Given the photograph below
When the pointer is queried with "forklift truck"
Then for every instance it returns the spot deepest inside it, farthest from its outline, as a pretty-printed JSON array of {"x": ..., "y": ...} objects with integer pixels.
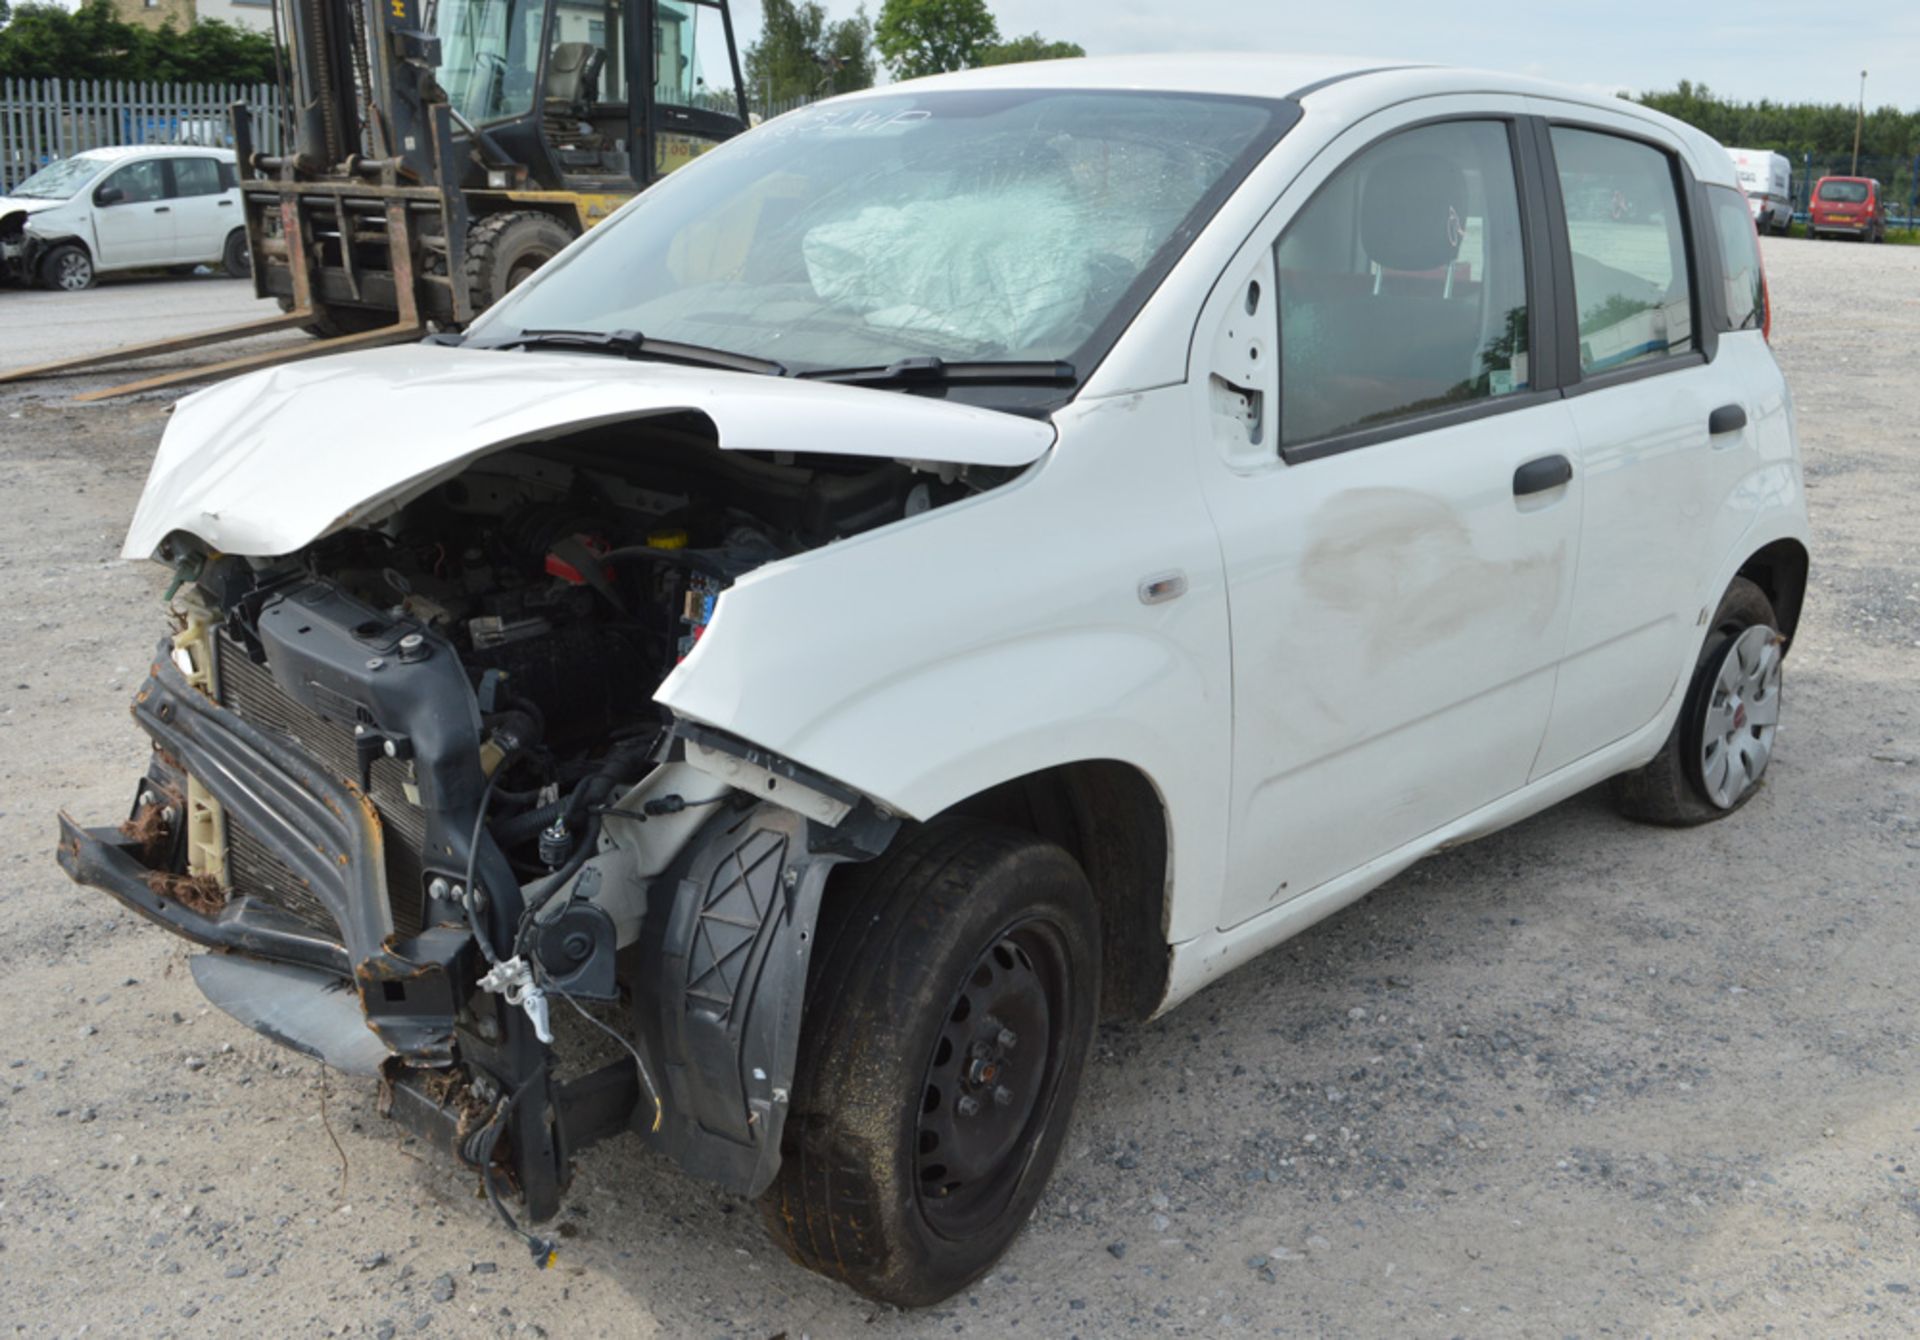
[{"x": 439, "y": 151}]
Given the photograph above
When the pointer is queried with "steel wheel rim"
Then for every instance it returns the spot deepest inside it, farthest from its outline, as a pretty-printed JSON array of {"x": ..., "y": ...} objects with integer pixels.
[
  {"x": 74, "y": 273},
  {"x": 991, "y": 1080},
  {"x": 521, "y": 270},
  {"x": 1742, "y": 712}
]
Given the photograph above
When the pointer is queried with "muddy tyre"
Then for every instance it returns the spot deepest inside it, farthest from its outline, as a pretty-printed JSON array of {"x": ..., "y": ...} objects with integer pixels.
[
  {"x": 950, "y": 1008},
  {"x": 1715, "y": 757},
  {"x": 503, "y": 249}
]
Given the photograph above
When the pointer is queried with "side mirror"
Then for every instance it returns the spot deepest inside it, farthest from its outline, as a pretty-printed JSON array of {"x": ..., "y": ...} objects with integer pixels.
[{"x": 109, "y": 195}]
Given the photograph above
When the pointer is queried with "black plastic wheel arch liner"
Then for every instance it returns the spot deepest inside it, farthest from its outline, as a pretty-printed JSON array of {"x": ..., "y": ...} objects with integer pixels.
[{"x": 720, "y": 976}]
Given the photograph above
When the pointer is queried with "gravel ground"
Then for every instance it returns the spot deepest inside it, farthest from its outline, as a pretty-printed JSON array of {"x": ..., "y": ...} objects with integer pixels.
[
  {"x": 132, "y": 309},
  {"x": 1579, "y": 1078}
]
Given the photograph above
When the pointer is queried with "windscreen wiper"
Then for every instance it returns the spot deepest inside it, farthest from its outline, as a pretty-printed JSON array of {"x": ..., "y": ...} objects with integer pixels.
[
  {"x": 933, "y": 371},
  {"x": 632, "y": 344}
]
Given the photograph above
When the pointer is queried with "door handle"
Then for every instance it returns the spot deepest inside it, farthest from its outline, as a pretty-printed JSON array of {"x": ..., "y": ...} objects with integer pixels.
[
  {"x": 226, "y": 204},
  {"x": 162, "y": 209},
  {"x": 1727, "y": 419},
  {"x": 1541, "y": 474}
]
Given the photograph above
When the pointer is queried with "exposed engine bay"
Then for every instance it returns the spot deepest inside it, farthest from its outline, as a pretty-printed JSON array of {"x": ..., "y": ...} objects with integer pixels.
[
  {"x": 422, "y": 756},
  {"x": 569, "y": 583}
]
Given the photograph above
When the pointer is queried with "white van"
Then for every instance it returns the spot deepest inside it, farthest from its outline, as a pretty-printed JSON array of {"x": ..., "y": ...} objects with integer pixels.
[{"x": 1767, "y": 178}]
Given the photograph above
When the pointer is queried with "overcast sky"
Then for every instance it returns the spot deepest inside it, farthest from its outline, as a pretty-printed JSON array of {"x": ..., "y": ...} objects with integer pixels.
[{"x": 1811, "y": 50}]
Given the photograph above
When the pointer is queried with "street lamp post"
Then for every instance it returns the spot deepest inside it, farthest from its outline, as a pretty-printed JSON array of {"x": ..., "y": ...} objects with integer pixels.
[{"x": 1859, "y": 119}]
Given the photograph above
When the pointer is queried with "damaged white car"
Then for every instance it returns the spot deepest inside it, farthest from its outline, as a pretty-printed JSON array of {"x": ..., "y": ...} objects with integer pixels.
[{"x": 952, "y": 564}]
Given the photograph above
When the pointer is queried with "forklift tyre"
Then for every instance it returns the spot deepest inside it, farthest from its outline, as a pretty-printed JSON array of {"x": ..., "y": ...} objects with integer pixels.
[
  {"x": 504, "y": 249},
  {"x": 342, "y": 321}
]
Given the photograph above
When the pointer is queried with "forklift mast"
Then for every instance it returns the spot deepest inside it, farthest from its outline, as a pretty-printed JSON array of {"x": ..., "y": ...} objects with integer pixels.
[{"x": 438, "y": 151}]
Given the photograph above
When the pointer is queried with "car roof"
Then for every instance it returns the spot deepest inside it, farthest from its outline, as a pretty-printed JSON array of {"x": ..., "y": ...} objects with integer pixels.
[
  {"x": 1337, "y": 84},
  {"x": 113, "y": 153}
]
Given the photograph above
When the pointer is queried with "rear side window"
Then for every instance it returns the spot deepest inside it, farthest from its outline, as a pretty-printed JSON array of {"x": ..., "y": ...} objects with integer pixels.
[
  {"x": 1631, "y": 284},
  {"x": 196, "y": 176},
  {"x": 228, "y": 177},
  {"x": 1403, "y": 284},
  {"x": 1745, "y": 297}
]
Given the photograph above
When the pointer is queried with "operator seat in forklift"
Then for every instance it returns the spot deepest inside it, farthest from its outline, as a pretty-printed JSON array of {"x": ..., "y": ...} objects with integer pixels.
[{"x": 573, "y": 88}]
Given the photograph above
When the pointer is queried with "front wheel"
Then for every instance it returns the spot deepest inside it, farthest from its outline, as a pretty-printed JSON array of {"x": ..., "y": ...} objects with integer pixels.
[
  {"x": 950, "y": 1010},
  {"x": 1719, "y": 749},
  {"x": 67, "y": 268}
]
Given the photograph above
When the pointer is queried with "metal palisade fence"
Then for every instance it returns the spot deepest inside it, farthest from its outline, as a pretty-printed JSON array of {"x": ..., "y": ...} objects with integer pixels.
[{"x": 45, "y": 119}]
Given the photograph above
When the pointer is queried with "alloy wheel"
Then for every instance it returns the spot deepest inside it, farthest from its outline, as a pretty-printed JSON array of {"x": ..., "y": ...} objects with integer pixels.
[{"x": 75, "y": 272}]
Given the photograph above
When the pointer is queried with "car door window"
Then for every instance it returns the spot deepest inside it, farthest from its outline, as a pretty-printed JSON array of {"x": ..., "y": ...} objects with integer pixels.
[
  {"x": 138, "y": 182},
  {"x": 1402, "y": 284},
  {"x": 1631, "y": 283},
  {"x": 1745, "y": 295},
  {"x": 196, "y": 176}
]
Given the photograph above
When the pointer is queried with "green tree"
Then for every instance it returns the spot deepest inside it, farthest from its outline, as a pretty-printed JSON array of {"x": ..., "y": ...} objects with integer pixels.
[
  {"x": 45, "y": 41},
  {"x": 919, "y": 37},
  {"x": 1017, "y": 50},
  {"x": 800, "y": 54},
  {"x": 1816, "y": 137}
]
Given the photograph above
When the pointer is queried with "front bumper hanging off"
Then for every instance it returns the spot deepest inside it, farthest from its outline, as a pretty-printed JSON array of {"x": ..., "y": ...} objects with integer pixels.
[
  {"x": 354, "y": 993},
  {"x": 329, "y": 834},
  {"x": 716, "y": 976}
]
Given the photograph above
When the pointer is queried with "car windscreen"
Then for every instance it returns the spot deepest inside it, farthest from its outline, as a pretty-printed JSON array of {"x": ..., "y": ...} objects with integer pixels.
[
  {"x": 59, "y": 180},
  {"x": 1843, "y": 192},
  {"x": 982, "y": 225}
]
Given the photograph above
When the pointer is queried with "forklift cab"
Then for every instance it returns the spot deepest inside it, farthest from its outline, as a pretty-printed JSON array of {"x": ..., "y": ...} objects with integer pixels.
[{"x": 589, "y": 95}]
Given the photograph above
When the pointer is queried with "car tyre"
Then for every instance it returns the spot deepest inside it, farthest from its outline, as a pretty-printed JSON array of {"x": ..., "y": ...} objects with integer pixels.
[
  {"x": 234, "y": 258},
  {"x": 1717, "y": 753},
  {"x": 68, "y": 268},
  {"x": 951, "y": 1006}
]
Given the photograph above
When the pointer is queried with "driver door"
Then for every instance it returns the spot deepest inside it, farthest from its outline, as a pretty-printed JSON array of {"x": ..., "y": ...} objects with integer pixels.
[
  {"x": 1391, "y": 479},
  {"x": 133, "y": 221}
]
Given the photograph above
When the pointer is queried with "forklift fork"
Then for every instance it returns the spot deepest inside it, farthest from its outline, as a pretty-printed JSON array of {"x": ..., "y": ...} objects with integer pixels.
[{"x": 307, "y": 308}]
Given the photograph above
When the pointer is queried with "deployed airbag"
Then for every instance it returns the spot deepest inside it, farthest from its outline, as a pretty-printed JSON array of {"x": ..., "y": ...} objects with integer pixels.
[{"x": 1001, "y": 270}]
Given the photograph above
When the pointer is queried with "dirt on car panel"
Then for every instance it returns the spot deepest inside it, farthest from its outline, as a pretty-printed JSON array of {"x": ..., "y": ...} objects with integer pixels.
[
  {"x": 196, "y": 893},
  {"x": 149, "y": 828}
]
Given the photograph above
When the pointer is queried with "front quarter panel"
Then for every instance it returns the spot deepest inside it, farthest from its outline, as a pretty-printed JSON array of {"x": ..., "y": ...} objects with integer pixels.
[{"x": 928, "y": 661}]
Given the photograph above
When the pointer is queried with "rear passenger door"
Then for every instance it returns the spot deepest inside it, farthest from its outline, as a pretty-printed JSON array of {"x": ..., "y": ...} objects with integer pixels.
[
  {"x": 1644, "y": 396},
  {"x": 1393, "y": 492},
  {"x": 204, "y": 211}
]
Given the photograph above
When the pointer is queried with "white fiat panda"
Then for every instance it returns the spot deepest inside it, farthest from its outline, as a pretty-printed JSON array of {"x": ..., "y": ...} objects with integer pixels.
[{"x": 954, "y": 563}]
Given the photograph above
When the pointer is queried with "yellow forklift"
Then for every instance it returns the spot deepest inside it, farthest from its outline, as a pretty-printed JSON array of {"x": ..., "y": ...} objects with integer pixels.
[{"x": 439, "y": 151}]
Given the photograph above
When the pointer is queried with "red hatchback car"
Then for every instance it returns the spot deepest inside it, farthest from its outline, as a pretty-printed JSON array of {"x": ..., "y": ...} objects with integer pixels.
[{"x": 1849, "y": 207}]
